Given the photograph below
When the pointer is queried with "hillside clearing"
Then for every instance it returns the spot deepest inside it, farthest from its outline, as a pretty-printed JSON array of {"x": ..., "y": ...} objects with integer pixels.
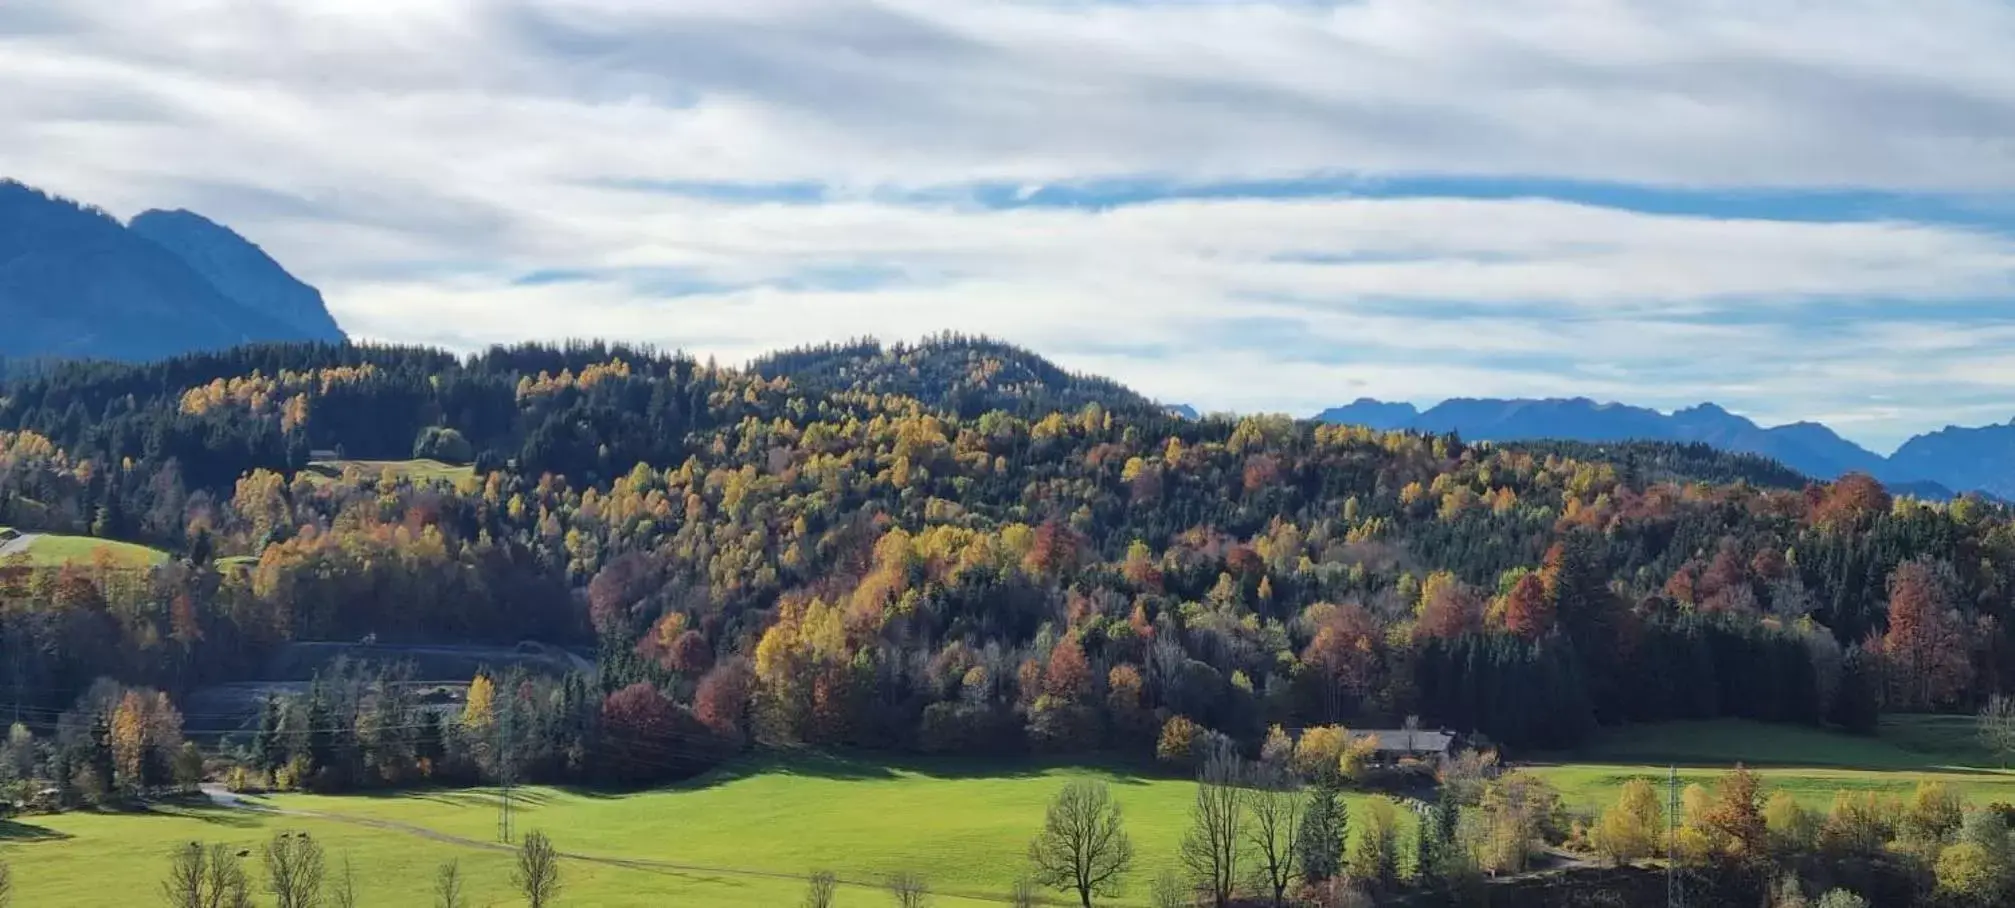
[
  {"x": 1810, "y": 763},
  {"x": 421, "y": 470},
  {"x": 56, "y": 550}
]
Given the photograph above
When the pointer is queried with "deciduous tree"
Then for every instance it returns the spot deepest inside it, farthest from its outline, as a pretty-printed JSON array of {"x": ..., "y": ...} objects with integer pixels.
[
  {"x": 343, "y": 894},
  {"x": 1925, "y": 647},
  {"x": 1737, "y": 815},
  {"x": 1275, "y": 827},
  {"x": 722, "y": 699},
  {"x": 448, "y": 885},
  {"x": 908, "y": 890},
  {"x": 1527, "y": 610},
  {"x": 1630, "y": 830},
  {"x": 1997, "y": 727},
  {"x": 294, "y": 870},
  {"x": 819, "y": 889},
  {"x": 1083, "y": 846},
  {"x": 537, "y": 874},
  {"x": 1214, "y": 848}
]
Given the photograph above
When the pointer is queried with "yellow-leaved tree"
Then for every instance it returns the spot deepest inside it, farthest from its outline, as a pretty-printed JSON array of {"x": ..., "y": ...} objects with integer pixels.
[
  {"x": 479, "y": 714},
  {"x": 1630, "y": 830}
]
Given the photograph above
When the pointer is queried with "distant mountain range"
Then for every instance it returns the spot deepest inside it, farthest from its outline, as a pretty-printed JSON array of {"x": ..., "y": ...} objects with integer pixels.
[
  {"x": 77, "y": 283},
  {"x": 1932, "y": 465}
]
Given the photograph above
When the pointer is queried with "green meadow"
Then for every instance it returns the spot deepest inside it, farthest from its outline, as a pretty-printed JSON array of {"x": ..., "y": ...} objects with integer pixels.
[
  {"x": 740, "y": 837},
  {"x": 1811, "y": 764},
  {"x": 747, "y": 834},
  {"x": 56, "y": 550}
]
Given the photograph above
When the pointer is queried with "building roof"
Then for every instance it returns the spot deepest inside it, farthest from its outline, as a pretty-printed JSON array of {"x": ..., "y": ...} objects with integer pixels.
[{"x": 1402, "y": 740}]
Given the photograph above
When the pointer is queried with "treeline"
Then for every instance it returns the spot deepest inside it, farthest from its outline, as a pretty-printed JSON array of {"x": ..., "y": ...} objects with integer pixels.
[
  {"x": 899, "y": 573},
  {"x": 362, "y": 728},
  {"x": 1642, "y": 463},
  {"x": 1743, "y": 843}
]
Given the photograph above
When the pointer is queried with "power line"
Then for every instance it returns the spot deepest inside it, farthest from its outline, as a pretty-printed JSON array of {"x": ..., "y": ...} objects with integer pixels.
[
  {"x": 1675, "y": 890},
  {"x": 506, "y": 773}
]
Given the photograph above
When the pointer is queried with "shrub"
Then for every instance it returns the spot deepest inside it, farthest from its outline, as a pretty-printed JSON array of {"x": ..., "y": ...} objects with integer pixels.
[
  {"x": 1178, "y": 741},
  {"x": 442, "y": 444}
]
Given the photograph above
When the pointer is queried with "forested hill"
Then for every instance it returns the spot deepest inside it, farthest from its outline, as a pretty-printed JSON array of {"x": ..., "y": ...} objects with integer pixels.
[
  {"x": 965, "y": 375},
  {"x": 806, "y": 551}
]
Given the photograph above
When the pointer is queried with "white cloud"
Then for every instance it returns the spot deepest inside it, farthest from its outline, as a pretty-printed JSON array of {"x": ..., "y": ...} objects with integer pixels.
[{"x": 413, "y": 157}]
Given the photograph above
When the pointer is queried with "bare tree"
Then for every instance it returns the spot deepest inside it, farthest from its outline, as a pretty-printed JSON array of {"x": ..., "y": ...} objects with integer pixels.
[
  {"x": 345, "y": 894},
  {"x": 1023, "y": 894},
  {"x": 1083, "y": 846},
  {"x": 188, "y": 877},
  {"x": 1997, "y": 727},
  {"x": 229, "y": 886},
  {"x": 820, "y": 893},
  {"x": 294, "y": 870},
  {"x": 1215, "y": 842},
  {"x": 1276, "y": 826},
  {"x": 909, "y": 890},
  {"x": 448, "y": 885},
  {"x": 538, "y": 871},
  {"x": 1171, "y": 892}
]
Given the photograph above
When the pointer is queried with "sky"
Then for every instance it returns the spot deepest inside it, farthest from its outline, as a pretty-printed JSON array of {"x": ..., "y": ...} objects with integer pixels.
[{"x": 1796, "y": 209}]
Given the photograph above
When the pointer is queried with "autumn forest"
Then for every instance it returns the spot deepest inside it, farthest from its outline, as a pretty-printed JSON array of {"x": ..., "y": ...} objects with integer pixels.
[{"x": 947, "y": 547}]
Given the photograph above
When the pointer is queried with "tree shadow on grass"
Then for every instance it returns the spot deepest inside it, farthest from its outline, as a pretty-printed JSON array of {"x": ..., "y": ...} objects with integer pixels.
[
  {"x": 18, "y": 833},
  {"x": 460, "y": 797},
  {"x": 872, "y": 766},
  {"x": 814, "y": 763},
  {"x": 197, "y": 808}
]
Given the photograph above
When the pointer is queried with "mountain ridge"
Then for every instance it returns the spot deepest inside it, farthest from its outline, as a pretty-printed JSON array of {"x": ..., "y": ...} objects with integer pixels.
[
  {"x": 239, "y": 269},
  {"x": 76, "y": 283},
  {"x": 1954, "y": 458}
]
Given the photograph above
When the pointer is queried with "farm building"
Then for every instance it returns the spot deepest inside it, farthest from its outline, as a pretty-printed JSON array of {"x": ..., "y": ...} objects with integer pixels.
[{"x": 1395, "y": 744}]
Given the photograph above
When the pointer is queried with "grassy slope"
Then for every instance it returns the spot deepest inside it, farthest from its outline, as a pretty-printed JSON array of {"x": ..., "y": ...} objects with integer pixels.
[
  {"x": 55, "y": 551},
  {"x": 83, "y": 859},
  {"x": 418, "y": 470},
  {"x": 1811, "y": 764},
  {"x": 88, "y": 861},
  {"x": 965, "y": 828}
]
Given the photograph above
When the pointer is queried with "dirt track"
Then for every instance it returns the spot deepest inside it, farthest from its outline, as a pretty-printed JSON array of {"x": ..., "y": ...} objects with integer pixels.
[
  {"x": 18, "y": 545},
  {"x": 223, "y": 797}
]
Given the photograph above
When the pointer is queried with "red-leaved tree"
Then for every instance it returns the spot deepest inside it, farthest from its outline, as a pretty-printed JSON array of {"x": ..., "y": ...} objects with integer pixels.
[
  {"x": 1925, "y": 647},
  {"x": 648, "y": 738},
  {"x": 722, "y": 701}
]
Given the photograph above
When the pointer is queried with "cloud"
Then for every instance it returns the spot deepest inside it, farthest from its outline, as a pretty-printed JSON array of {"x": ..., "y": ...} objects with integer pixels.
[{"x": 1791, "y": 208}]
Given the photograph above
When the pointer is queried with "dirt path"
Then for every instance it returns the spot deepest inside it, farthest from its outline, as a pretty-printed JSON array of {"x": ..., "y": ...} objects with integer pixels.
[
  {"x": 18, "y": 545},
  {"x": 225, "y": 798}
]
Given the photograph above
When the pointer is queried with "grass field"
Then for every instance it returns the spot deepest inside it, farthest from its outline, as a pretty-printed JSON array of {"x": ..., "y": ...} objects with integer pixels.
[
  {"x": 52, "y": 550},
  {"x": 417, "y": 470},
  {"x": 87, "y": 861},
  {"x": 1810, "y": 763},
  {"x": 965, "y": 829},
  {"x": 740, "y": 838}
]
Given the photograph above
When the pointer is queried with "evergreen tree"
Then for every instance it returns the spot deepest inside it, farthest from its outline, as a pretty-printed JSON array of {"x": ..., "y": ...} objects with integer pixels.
[
  {"x": 1325, "y": 824},
  {"x": 268, "y": 751}
]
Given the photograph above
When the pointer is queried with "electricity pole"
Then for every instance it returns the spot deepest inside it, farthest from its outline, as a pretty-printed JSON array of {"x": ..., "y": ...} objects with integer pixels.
[
  {"x": 507, "y": 773},
  {"x": 1675, "y": 889}
]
